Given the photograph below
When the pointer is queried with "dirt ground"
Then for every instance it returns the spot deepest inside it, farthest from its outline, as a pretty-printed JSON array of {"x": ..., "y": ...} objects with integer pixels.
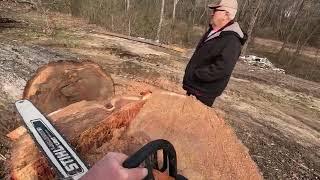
[{"x": 276, "y": 116}]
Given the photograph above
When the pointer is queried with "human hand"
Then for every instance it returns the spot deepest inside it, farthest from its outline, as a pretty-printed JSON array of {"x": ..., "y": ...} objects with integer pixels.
[{"x": 110, "y": 168}]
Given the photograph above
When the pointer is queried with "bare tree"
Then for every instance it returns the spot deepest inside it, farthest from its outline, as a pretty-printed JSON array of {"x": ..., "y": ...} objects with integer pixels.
[
  {"x": 243, "y": 9},
  {"x": 112, "y": 23},
  {"x": 301, "y": 45},
  {"x": 276, "y": 19},
  {"x": 161, "y": 20},
  {"x": 251, "y": 26},
  {"x": 175, "y": 2},
  {"x": 127, "y": 4},
  {"x": 205, "y": 10},
  {"x": 267, "y": 13},
  {"x": 291, "y": 26}
]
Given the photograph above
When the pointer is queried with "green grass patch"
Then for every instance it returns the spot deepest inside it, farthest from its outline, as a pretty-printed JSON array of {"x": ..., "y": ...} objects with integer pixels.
[{"x": 65, "y": 39}]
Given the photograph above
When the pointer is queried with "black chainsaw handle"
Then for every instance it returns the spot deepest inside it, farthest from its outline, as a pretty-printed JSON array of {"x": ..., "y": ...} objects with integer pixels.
[{"x": 151, "y": 149}]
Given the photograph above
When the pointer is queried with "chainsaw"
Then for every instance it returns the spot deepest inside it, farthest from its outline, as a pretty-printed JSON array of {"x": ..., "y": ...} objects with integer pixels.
[{"x": 69, "y": 165}]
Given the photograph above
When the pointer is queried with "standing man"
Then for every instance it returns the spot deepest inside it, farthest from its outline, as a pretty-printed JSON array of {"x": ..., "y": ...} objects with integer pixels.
[{"x": 209, "y": 70}]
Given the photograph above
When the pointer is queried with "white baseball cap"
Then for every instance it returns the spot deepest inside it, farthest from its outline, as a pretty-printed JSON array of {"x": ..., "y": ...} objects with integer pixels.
[{"x": 230, "y": 6}]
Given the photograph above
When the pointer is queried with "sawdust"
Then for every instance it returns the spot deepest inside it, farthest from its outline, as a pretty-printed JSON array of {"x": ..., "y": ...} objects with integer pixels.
[{"x": 95, "y": 137}]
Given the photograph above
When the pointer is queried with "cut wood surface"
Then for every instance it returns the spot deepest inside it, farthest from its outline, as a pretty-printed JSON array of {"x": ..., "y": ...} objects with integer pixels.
[
  {"x": 62, "y": 83},
  {"x": 206, "y": 146}
]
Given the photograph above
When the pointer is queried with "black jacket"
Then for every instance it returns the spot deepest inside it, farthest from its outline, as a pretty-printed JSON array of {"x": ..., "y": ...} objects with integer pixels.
[{"x": 209, "y": 70}]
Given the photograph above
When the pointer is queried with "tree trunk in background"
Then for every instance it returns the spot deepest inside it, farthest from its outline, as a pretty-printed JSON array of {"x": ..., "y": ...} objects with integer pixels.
[
  {"x": 290, "y": 29},
  {"x": 243, "y": 9},
  {"x": 189, "y": 29},
  {"x": 276, "y": 18},
  {"x": 251, "y": 27},
  {"x": 308, "y": 30},
  {"x": 205, "y": 10},
  {"x": 171, "y": 39},
  {"x": 266, "y": 13},
  {"x": 317, "y": 53},
  {"x": 128, "y": 5},
  {"x": 300, "y": 46},
  {"x": 129, "y": 28},
  {"x": 161, "y": 20},
  {"x": 112, "y": 23},
  {"x": 193, "y": 15},
  {"x": 175, "y": 2}
]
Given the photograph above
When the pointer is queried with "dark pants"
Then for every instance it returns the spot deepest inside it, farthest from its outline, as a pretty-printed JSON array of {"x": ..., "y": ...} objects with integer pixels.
[{"x": 205, "y": 100}]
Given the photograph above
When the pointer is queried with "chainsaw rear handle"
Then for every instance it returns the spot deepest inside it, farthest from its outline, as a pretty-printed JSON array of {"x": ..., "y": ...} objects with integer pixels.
[{"x": 148, "y": 154}]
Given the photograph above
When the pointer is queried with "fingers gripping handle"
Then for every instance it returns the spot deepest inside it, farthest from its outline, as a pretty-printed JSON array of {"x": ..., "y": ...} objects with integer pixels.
[{"x": 148, "y": 153}]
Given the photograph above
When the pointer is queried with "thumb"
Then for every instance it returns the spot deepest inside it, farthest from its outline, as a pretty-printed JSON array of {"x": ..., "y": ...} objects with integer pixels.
[{"x": 137, "y": 173}]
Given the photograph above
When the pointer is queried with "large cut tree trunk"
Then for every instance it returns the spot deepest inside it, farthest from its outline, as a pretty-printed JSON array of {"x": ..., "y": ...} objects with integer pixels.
[
  {"x": 206, "y": 146},
  {"x": 78, "y": 99}
]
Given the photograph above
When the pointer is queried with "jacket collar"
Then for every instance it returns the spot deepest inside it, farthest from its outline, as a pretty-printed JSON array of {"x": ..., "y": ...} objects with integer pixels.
[{"x": 230, "y": 27}]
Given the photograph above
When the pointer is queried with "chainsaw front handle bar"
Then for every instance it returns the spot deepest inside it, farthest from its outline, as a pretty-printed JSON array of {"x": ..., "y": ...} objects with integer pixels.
[{"x": 148, "y": 154}]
